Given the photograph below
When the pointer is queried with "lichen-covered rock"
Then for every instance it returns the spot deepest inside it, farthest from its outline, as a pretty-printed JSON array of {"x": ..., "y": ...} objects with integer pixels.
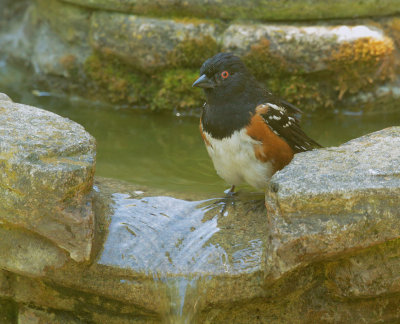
[
  {"x": 260, "y": 9},
  {"x": 71, "y": 23},
  {"x": 308, "y": 48},
  {"x": 47, "y": 166},
  {"x": 142, "y": 42},
  {"x": 334, "y": 201}
]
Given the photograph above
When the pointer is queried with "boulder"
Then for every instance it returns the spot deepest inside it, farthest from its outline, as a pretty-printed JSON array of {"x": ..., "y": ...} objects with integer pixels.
[
  {"x": 47, "y": 165},
  {"x": 334, "y": 201}
]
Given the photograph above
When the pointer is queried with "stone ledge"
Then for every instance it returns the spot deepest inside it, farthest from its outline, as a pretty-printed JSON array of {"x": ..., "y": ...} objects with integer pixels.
[
  {"x": 335, "y": 201},
  {"x": 242, "y": 9}
]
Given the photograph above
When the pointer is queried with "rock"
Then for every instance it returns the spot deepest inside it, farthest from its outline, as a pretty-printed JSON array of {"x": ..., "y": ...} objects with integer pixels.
[
  {"x": 8, "y": 311},
  {"x": 371, "y": 273},
  {"x": 154, "y": 235},
  {"x": 142, "y": 42},
  {"x": 53, "y": 57},
  {"x": 27, "y": 253},
  {"x": 71, "y": 23},
  {"x": 4, "y": 97},
  {"x": 260, "y": 9},
  {"x": 47, "y": 166},
  {"x": 334, "y": 201},
  {"x": 28, "y": 315},
  {"x": 308, "y": 48}
]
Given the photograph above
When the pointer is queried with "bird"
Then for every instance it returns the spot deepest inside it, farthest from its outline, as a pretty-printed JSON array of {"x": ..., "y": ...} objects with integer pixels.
[{"x": 249, "y": 132}]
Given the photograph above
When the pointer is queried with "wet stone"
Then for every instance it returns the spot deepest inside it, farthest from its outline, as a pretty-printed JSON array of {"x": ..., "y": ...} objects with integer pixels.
[{"x": 173, "y": 236}]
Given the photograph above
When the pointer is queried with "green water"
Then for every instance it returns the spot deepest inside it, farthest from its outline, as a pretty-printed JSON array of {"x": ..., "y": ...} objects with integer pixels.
[{"x": 163, "y": 150}]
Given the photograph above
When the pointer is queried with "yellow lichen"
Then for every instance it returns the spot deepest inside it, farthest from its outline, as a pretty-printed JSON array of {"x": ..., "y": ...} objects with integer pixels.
[{"x": 358, "y": 65}]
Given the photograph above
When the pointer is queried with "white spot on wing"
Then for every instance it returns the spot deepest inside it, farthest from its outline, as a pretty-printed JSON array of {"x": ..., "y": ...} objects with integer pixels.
[{"x": 276, "y": 107}]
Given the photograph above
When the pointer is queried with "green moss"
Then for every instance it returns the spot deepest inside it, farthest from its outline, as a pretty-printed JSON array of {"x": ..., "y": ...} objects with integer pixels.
[
  {"x": 176, "y": 91},
  {"x": 191, "y": 53},
  {"x": 285, "y": 79},
  {"x": 163, "y": 90},
  {"x": 264, "y": 64},
  {"x": 307, "y": 92},
  {"x": 353, "y": 67},
  {"x": 358, "y": 65},
  {"x": 118, "y": 82}
]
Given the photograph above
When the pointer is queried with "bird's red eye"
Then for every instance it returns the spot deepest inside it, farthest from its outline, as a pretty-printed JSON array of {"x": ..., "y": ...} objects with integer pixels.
[{"x": 225, "y": 74}]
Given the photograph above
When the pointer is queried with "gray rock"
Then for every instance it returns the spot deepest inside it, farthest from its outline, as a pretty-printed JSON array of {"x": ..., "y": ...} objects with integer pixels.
[
  {"x": 142, "y": 42},
  {"x": 4, "y": 97},
  {"x": 259, "y": 9},
  {"x": 308, "y": 48},
  {"x": 335, "y": 200},
  {"x": 47, "y": 165}
]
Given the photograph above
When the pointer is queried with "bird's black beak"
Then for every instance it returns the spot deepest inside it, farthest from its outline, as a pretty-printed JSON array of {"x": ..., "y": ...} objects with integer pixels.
[{"x": 203, "y": 82}]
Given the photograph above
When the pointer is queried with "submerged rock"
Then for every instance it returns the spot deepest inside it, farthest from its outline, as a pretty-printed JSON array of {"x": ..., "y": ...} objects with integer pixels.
[{"x": 47, "y": 166}]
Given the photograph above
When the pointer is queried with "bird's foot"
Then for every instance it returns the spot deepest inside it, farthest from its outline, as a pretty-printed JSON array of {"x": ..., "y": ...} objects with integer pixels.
[
  {"x": 230, "y": 192},
  {"x": 227, "y": 201},
  {"x": 256, "y": 206}
]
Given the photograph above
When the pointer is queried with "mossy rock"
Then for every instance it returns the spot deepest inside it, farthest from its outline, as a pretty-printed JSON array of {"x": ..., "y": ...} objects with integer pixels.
[
  {"x": 242, "y": 9},
  {"x": 176, "y": 91}
]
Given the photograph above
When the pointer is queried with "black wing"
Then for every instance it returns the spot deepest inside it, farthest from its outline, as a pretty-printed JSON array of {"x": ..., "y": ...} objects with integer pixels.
[{"x": 284, "y": 120}]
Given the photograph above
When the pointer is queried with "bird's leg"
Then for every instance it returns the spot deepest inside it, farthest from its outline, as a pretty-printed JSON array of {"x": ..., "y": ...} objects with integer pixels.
[
  {"x": 230, "y": 192},
  {"x": 229, "y": 199}
]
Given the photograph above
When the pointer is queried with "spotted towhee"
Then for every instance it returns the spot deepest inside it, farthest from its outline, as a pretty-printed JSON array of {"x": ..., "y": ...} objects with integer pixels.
[{"x": 249, "y": 133}]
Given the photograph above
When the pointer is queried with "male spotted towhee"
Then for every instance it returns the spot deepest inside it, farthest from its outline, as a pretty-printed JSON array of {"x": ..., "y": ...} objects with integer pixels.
[{"x": 249, "y": 133}]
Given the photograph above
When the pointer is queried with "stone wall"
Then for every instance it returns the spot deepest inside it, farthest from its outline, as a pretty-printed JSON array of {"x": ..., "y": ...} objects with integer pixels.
[
  {"x": 316, "y": 54},
  {"x": 74, "y": 249}
]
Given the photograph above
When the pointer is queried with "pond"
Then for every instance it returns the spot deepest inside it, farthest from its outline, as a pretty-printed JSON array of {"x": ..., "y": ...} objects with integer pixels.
[{"x": 163, "y": 150}]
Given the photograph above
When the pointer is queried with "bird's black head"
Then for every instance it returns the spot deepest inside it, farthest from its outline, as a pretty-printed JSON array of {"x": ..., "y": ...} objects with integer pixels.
[{"x": 223, "y": 75}]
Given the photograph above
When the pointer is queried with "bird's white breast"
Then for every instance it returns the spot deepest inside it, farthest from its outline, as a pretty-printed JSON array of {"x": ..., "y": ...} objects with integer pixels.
[{"x": 235, "y": 161}]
